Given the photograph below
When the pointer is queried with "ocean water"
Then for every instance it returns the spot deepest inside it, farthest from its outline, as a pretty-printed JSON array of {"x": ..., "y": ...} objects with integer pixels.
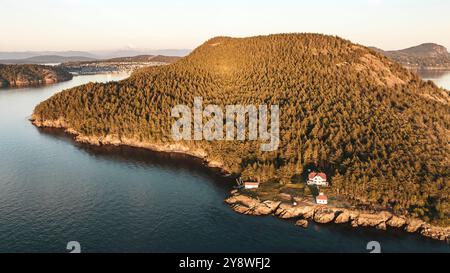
[{"x": 441, "y": 78}]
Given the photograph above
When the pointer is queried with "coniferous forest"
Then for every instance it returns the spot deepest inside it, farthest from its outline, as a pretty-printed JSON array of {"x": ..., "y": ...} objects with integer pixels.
[{"x": 378, "y": 131}]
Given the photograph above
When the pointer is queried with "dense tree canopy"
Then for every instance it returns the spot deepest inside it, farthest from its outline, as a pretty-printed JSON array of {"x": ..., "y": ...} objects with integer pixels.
[{"x": 377, "y": 129}]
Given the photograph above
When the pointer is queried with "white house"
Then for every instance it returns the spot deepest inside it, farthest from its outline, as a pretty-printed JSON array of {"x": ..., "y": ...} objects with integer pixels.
[
  {"x": 318, "y": 179},
  {"x": 321, "y": 199},
  {"x": 251, "y": 185}
]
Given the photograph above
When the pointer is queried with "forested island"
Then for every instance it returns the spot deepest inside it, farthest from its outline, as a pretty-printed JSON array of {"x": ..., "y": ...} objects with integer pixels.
[
  {"x": 31, "y": 74},
  {"x": 375, "y": 128},
  {"x": 428, "y": 56}
]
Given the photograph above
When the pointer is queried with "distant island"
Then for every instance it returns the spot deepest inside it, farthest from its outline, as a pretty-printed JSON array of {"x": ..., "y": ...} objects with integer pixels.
[
  {"x": 20, "y": 75},
  {"x": 30, "y": 74},
  {"x": 47, "y": 59},
  {"x": 120, "y": 64},
  {"x": 428, "y": 56},
  {"x": 376, "y": 130}
]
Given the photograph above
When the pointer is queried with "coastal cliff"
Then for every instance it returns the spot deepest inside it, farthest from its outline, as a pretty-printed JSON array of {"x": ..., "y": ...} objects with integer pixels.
[
  {"x": 115, "y": 140},
  {"x": 29, "y": 75}
]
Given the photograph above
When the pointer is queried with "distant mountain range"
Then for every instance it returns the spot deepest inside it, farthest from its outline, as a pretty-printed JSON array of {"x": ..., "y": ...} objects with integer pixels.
[
  {"x": 424, "y": 56},
  {"x": 47, "y": 59},
  {"x": 28, "y": 54},
  {"x": 132, "y": 52},
  {"x": 44, "y": 57}
]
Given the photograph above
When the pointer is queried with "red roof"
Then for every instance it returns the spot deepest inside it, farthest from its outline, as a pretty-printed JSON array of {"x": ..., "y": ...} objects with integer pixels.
[
  {"x": 312, "y": 175},
  {"x": 321, "y": 197},
  {"x": 321, "y": 175}
]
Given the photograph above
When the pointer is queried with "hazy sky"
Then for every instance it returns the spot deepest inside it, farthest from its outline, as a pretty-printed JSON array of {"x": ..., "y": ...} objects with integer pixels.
[{"x": 176, "y": 24}]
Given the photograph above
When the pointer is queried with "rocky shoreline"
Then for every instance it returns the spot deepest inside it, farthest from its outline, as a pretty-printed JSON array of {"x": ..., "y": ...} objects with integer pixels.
[
  {"x": 117, "y": 141},
  {"x": 304, "y": 211},
  {"x": 417, "y": 68}
]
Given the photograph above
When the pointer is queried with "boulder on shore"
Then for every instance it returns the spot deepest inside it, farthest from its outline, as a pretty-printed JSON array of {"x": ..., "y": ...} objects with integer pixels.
[
  {"x": 302, "y": 223},
  {"x": 343, "y": 217},
  {"x": 286, "y": 211},
  {"x": 368, "y": 219},
  {"x": 413, "y": 225},
  {"x": 324, "y": 216},
  {"x": 396, "y": 222},
  {"x": 251, "y": 206}
]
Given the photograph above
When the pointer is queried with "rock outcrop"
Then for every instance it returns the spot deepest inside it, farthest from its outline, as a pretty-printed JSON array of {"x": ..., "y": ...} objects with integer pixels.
[
  {"x": 367, "y": 219},
  {"x": 326, "y": 214},
  {"x": 286, "y": 211},
  {"x": 437, "y": 233},
  {"x": 413, "y": 225}
]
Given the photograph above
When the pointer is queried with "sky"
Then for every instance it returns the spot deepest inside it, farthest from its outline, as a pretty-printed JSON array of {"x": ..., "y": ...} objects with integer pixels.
[{"x": 89, "y": 25}]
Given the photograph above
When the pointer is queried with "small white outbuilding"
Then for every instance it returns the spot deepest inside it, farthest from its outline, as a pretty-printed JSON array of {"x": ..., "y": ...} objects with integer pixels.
[{"x": 321, "y": 199}]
